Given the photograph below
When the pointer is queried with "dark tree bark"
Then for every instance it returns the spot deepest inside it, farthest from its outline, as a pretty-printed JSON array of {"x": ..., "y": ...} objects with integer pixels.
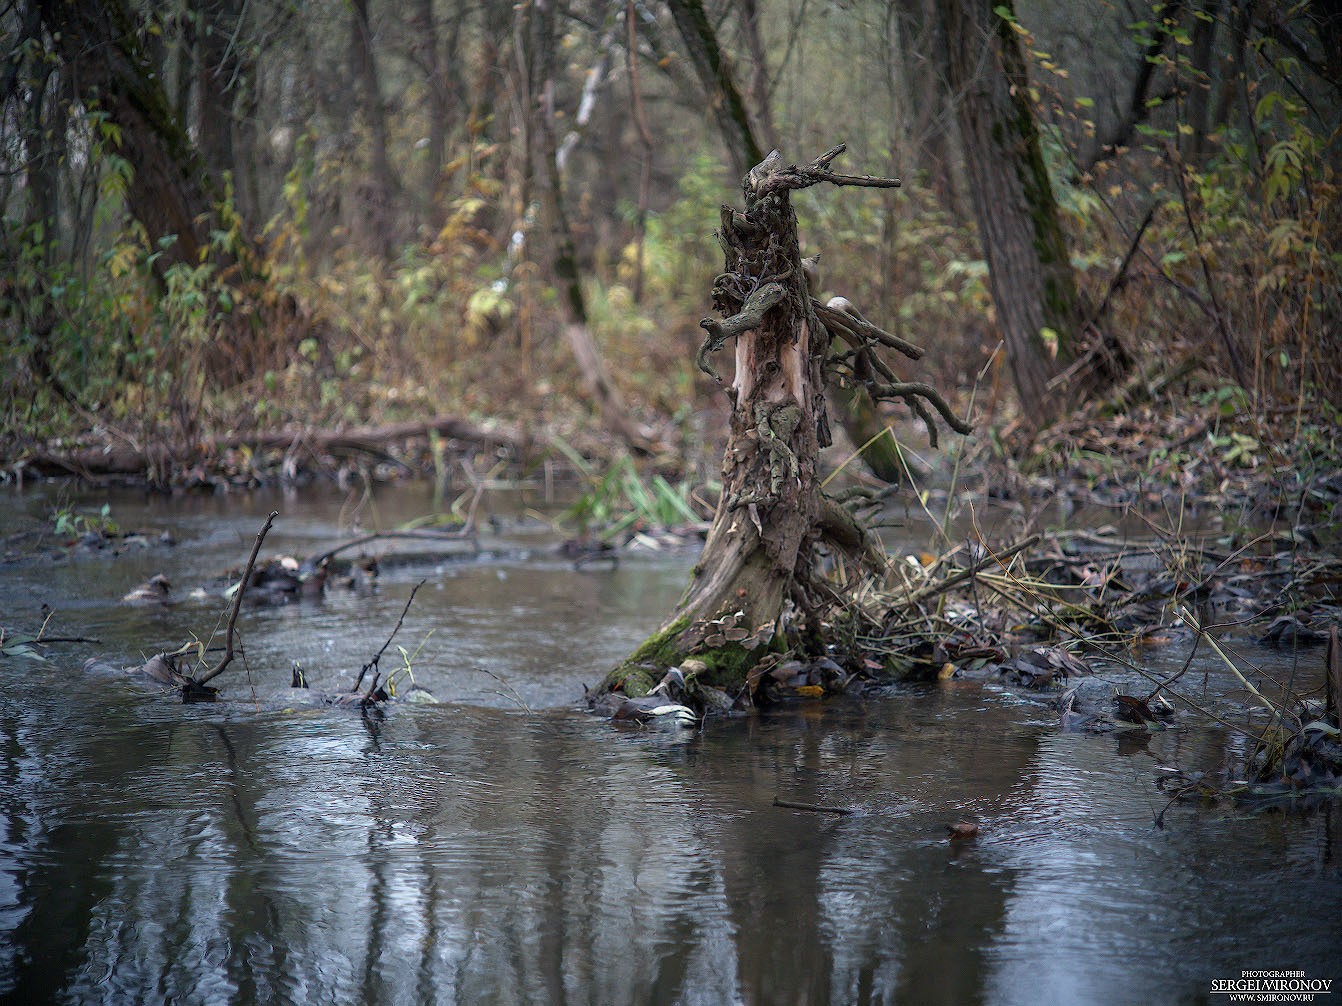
[
  {"x": 378, "y": 191},
  {"x": 1030, "y": 272},
  {"x": 715, "y": 76},
  {"x": 170, "y": 192},
  {"x": 772, "y": 516},
  {"x": 40, "y": 114},
  {"x": 1201, "y": 59}
]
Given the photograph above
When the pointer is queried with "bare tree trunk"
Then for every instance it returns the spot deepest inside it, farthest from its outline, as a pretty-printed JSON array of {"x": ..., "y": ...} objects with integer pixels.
[
  {"x": 378, "y": 191},
  {"x": 715, "y": 75},
  {"x": 606, "y": 396},
  {"x": 42, "y": 131},
  {"x": 1030, "y": 273},
  {"x": 646, "y": 145},
  {"x": 1201, "y": 60}
]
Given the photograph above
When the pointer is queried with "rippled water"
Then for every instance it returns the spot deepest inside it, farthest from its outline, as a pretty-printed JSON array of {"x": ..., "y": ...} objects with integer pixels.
[{"x": 265, "y": 849}]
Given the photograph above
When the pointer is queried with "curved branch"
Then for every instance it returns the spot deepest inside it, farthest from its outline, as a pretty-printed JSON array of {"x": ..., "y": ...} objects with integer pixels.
[
  {"x": 751, "y": 316},
  {"x": 911, "y": 391},
  {"x": 840, "y": 314}
]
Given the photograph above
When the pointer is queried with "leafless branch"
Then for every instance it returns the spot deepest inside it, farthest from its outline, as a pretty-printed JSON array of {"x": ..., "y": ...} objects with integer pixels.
[
  {"x": 227, "y": 658},
  {"x": 372, "y": 664}
]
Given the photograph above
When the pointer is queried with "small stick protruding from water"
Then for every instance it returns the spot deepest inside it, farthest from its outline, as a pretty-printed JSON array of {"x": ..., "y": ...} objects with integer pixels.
[
  {"x": 372, "y": 665},
  {"x": 227, "y": 658}
]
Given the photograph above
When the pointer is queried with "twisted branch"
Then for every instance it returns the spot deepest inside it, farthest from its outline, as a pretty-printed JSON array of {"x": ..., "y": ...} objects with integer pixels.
[
  {"x": 771, "y": 176},
  {"x": 862, "y": 362},
  {"x": 751, "y": 316},
  {"x": 843, "y": 320}
]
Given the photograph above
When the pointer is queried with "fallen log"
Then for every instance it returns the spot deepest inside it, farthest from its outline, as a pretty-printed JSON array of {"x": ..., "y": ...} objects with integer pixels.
[{"x": 156, "y": 460}]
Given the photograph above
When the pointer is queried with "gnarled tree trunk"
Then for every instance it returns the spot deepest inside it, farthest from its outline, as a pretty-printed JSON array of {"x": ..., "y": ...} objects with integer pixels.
[{"x": 761, "y": 552}]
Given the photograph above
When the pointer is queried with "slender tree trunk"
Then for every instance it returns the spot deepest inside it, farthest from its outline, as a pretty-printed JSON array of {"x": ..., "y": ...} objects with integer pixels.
[
  {"x": 715, "y": 75},
  {"x": 1030, "y": 273},
  {"x": 42, "y": 128},
  {"x": 215, "y": 67},
  {"x": 578, "y": 333},
  {"x": 1201, "y": 61},
  {"x": 378, "y": 190},
  {"x": 442, "y": 84},
  {"x": 646, "y": 145}
]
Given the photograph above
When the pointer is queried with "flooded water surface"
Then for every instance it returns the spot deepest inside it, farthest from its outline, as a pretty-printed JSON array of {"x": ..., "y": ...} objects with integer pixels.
[{"x": 501, "y": 846}]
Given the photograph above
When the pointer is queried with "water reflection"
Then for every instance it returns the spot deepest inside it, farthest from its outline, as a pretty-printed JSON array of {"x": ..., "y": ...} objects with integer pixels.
[
  {"x": 271, "y": 851},
  {"x": 466, "y": 855}
]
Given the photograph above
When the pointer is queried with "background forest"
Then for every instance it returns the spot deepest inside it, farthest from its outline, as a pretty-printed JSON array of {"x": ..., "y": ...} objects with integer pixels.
[{"x": 240, "y": 215}]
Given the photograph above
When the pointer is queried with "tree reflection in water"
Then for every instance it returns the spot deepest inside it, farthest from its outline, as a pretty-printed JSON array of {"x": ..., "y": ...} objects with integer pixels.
[{"x": 446, "y": 854}]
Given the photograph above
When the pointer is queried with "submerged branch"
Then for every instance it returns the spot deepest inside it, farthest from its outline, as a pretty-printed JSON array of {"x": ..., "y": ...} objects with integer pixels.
[
  {"x": 815, "y": 808},
  {"x": 464, "y": 533}
]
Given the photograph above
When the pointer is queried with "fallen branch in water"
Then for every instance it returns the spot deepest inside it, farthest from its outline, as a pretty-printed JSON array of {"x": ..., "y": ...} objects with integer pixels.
[
  {"x": 465, "y": 533},
  {"x": 227, "y": 658},
  {"x": 132, "y": 459},
  {"x": 813, "y": 807}
]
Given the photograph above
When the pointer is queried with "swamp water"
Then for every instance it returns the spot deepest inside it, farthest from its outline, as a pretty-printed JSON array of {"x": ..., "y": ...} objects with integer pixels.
[{"x": 268, "y": 849}]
